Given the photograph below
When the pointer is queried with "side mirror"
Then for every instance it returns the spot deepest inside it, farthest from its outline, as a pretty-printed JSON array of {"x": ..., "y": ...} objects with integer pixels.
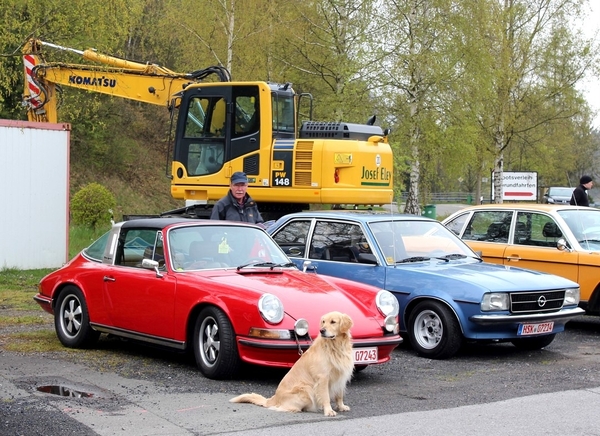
[
  {"x": 307, "y": 265},
  {"x": 561, "y": 244},
  {"x": 151, "y": 264}
]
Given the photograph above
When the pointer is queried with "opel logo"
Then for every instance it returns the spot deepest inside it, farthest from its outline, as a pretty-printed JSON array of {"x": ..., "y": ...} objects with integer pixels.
[{"x": 541, "y": 301}]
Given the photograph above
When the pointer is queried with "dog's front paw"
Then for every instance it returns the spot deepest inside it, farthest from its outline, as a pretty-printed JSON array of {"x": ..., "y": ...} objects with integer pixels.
[
  {"x": 343, "y": 408},
  {"x": 329, "y": 412}
]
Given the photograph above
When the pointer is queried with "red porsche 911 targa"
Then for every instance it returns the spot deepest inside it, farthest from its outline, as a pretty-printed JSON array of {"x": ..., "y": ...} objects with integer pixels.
[{"x": 223, "y": 290}]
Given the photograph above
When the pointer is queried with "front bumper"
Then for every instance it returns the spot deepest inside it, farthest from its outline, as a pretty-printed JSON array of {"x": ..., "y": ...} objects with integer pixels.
[
  {"x": 563, "y": 315},
  {"x": 284, "y": 354},
  {"x": 44, "y": 302}
]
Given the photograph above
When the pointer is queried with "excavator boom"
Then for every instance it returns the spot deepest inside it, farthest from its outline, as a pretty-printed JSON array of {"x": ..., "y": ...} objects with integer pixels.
[{"x": 149, "y": 83}]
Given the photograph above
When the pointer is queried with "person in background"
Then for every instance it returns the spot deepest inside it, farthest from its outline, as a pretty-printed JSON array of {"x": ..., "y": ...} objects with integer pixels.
[
  {"x": 580, "y": 195},
  {"x": 237, "y": 205}
]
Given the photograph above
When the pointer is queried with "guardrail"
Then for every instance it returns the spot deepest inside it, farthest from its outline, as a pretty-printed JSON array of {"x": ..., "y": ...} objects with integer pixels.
[{"x": 449, "y": 197}]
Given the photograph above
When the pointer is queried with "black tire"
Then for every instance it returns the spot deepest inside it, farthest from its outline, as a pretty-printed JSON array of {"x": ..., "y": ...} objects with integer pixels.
[
  {"x": 534, "y": 343},
  {"x": 434, "y": 331},
  {"x": 72, "y": 321},
  {"x": 215, "y": 348}
]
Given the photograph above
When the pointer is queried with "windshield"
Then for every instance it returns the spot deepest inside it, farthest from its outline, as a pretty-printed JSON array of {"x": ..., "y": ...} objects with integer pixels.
[
  {"x": 408, "y": 241},
  {"x": 203, "y": 247},
  {"x": 585, "y": 225},
  {"x": 560, "y": 192}
]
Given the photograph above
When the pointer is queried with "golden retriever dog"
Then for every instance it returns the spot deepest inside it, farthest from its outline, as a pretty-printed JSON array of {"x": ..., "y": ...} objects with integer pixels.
[{"x": 319, "y": 376}]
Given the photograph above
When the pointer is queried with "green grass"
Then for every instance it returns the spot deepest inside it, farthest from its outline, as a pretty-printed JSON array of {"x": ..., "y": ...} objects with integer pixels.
[
  {"x": 39, "y": 341},
  {"x": 15, "y": 320},
  {"x": 17, "y": 288}
]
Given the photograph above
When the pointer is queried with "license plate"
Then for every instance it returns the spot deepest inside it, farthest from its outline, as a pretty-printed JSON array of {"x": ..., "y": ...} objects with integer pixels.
[
  {"x": 365, "y": 355},
  {"x": 535, "y": 329}
]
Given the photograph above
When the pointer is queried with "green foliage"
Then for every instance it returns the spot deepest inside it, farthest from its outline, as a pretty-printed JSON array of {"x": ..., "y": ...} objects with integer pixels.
[
  {"x": 357, "y": 58},
  {"x": 92, "y": 206}
]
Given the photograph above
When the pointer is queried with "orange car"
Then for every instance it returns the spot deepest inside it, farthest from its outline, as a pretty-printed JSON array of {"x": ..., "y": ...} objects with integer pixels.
[{"x": 558, "y": 239}]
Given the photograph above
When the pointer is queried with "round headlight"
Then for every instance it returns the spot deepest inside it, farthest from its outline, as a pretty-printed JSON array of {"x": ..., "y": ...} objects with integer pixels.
[
  {"x": 301, "y": 327},
  {"x": 387, "y": 303},
  {"x": 271, "y": 308}
]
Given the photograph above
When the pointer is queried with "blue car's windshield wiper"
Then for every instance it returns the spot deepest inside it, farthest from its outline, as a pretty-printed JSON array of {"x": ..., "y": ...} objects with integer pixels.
[
  {"x": 453, "y": 256},
  {"x": 446, "y": 258},
  {"x": 413, "y": 259}
]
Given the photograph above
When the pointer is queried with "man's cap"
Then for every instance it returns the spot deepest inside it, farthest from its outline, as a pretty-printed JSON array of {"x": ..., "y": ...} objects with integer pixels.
[
  {"x": 585, "y": 179},
  {"x": 240, "y": 177}
]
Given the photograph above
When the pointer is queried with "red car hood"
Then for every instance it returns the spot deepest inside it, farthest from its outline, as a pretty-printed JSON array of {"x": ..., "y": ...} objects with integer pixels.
[{"x": 307, "y": 296}]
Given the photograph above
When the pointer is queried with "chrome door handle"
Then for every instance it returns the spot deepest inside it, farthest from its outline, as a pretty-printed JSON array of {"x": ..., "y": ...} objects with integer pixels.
[{"x": 109, "y": 279}]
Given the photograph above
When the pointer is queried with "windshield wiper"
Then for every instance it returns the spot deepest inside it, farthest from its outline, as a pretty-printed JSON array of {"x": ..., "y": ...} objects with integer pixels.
[
  {"x": 414, "y": 259},
  {"x": 446, "y": 258},
  {"x": 267, "y": 264},
  {"x": 453, "y": 256}
]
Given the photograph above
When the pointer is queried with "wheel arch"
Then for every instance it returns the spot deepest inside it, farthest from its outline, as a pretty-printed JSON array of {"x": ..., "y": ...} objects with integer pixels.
[
  {"x": 193, "y": 316},
  {"x": 59, "y": 290},
  {"x": 593, "y": 304},
  {"x": 415, "y": 301}
]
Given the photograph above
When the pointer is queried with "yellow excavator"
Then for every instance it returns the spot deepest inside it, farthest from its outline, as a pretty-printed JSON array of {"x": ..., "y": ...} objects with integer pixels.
[{"x": 225, "y": 126}]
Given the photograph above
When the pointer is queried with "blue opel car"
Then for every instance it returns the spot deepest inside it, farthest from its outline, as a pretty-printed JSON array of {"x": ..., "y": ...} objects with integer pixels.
[{"x": 447, "y": 294}]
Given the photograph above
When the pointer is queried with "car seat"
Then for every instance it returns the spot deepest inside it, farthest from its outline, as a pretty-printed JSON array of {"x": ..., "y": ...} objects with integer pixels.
[
  {"x": 497, "y": 232},
  {"x": 522, "y": 233},
  {"x": 551, "y": 230}
]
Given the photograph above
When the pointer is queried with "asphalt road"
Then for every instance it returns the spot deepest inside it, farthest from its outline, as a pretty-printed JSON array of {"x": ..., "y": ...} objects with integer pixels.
[{"x": 122, "y": 388}]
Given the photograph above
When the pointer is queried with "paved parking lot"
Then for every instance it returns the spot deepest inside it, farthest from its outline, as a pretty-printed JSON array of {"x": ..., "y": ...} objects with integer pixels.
[{"x": 135, "y": 390}]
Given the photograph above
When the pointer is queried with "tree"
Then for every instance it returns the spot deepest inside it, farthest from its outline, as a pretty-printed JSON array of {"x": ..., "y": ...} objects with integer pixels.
[
  {"x": 526, "y": 86},
  {"x": 420, "y": 68}
]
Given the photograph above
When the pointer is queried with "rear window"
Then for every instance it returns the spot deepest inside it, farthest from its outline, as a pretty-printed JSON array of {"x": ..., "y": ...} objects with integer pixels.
[{"x": 96, "y": 250}]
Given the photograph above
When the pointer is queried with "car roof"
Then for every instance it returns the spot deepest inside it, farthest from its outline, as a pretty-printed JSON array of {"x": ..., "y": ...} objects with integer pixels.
[
  {"x": 522, "y": 206},
  {"x": 358, "y": 215},
  {"x": 155, "y": 223}
]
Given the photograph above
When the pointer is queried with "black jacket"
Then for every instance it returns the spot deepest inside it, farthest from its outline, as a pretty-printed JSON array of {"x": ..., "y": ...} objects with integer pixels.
[
  {"x": 228, "y": 208},
  {"x": 580, "y": 197}
]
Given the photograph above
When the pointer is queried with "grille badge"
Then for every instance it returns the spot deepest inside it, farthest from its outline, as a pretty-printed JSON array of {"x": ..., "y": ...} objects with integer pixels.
[{"x": 541, "y": 301}]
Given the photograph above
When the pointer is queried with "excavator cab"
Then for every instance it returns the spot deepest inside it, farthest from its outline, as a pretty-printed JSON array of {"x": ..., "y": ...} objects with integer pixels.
[{"x": 218, "y": 123}]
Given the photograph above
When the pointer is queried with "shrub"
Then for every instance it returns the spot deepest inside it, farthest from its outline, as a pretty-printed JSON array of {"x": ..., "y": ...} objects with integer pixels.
[{"x": 92, "y": 206}]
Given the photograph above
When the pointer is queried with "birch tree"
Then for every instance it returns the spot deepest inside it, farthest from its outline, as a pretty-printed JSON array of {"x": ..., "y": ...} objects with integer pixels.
[{"x": 515, "y": 38}]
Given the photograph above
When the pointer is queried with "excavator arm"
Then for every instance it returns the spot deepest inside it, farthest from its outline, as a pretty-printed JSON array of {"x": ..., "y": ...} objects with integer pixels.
[{"x": 114, "y": 76}]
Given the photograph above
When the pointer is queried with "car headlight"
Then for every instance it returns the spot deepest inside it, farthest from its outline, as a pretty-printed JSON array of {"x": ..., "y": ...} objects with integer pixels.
[
  {"x": 301, "y": 327},
  {"x": 571, "y": 297},
  {"x": 495, "y": 301},
  {"x": 387, "y": 303},
  {"x": 271, "y": 308}
]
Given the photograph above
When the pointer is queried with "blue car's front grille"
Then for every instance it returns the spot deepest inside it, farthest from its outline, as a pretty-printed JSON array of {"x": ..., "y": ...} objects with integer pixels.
[{"x": 531, "y": 302}]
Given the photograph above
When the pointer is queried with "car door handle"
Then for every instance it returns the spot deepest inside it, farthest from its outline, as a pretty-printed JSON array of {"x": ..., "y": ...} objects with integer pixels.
[
  {"x": 514, "y": 257},
  {"x": 109, "y": 279}
]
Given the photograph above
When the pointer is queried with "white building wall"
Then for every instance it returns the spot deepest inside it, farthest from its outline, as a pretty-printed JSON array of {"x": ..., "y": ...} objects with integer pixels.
[{"x": 34, "y": 194}]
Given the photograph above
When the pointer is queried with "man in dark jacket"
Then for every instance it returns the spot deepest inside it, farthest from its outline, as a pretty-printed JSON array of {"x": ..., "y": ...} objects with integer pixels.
[
  {"x": 580, "y": 196},
  {"x": 237, "y": 205}
]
